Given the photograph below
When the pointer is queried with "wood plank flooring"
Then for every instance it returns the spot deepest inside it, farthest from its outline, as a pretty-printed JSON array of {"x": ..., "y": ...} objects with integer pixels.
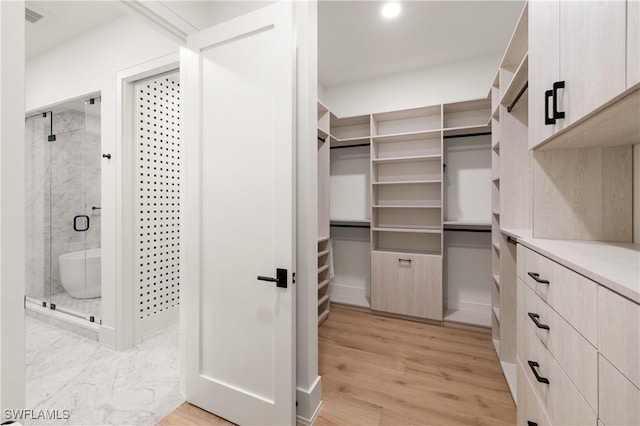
[{"x": 385, "y": 371}]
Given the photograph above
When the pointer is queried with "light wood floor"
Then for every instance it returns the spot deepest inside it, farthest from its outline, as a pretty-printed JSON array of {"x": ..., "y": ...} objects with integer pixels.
[{"x": 385, "y": 371}]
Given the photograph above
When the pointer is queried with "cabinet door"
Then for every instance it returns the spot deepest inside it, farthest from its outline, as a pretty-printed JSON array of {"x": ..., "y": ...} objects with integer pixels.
[
  {"x": 544, "y": 66},
  {"x": 407, "y": 284},
  {"x": 633, "y": 42},
  {"x": 592, "y": 55}
]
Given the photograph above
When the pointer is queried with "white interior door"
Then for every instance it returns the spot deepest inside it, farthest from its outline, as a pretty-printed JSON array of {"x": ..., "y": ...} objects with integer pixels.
[{"x": 238, "y": 80}]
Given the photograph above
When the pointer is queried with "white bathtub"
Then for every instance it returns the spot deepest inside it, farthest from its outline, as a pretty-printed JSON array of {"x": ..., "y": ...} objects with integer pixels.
[{"x": 77, "y": 282}]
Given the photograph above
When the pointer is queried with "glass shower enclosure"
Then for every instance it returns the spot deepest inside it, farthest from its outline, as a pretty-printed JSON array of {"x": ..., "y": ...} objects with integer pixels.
[{"x": 63, "y": 208}]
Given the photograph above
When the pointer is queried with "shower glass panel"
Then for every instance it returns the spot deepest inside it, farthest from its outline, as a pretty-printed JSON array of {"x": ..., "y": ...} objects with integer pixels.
[{"x": 63, "y": 228}]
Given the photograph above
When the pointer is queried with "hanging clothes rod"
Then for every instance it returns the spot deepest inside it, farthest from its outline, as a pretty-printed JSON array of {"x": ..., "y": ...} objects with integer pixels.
[
  {"x": 467, "y": 135},
  {"x": 466, "y": 230},
  {"x": 350, "y": 146},
  {"x": 518, "y": 96},
  {"x": 350, "y": 226}
]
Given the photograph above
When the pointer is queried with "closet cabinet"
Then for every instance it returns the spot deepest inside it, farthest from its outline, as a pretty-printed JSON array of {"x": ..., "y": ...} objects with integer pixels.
[
  {"x": 565, "y": 40},
  {"x": 407, "y": 284}
]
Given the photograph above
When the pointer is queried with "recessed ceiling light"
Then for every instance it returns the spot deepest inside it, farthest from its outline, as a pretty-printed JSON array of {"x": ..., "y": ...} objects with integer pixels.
[{"x": 391, "y": 10}]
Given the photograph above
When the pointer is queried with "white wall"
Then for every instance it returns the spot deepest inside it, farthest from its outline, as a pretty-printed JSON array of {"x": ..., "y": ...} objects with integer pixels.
[
  {"x": 89, "y": 64},
  {"x": 12, "y": 203},
  {"x": 457, "y": 81}
]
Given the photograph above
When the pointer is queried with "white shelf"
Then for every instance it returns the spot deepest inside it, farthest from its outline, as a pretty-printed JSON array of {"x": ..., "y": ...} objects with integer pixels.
[
  {"x": 349, "y": 222},
  {"x": 323, "y": 253},
  {"x": 322, "y": 269},
  {"x": 496, "y": 280},
  {"x": 467, "y": 130},
  {"x": 423, "y": 252},
  {"x": 517, "y": 82},
  {"x": 323, "y": 284},
  {"x": 322, "y": 239},
  {"x": 336, "y": 143},
  {"x": 409, "y": 230},
  {"x": 323, "y": 300},
  {"x": 408, "y": 136},
  {"x": 463, "y": 224},
  {"x": 496, "y": 312},
  {"x": 468, "y": 318},
  {"x": 406, "y": 206},
  {"x": 496, "y": 247},
  {"x": 408, "y": 182},
  {"x": 323, "y": 316},
  {"x": 410, "y": 159}
]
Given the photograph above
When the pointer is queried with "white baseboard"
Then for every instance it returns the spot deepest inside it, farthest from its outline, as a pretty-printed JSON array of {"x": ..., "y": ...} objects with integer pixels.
[
  {"x": 309, "y": 402},
  {"x": 107, "y": 336},
  {"x": 349, "y": 295},
  {"x": 156, "y": 322},
  {"x": 463, "y": 305}
]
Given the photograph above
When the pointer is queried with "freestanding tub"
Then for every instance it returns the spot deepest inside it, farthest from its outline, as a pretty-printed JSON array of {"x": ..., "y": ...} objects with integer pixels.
[{"x": 77, "y": 282}]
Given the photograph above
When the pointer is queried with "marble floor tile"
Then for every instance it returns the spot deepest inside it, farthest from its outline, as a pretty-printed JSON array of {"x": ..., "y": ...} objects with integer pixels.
[{"x": 101, "y": 386}]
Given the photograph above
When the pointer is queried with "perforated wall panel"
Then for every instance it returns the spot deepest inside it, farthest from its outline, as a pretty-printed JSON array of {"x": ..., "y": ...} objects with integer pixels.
[{"x": 157, "y": 236}]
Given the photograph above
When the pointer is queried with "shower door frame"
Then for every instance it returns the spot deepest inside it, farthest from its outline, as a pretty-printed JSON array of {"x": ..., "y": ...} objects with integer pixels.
[{"x": 124, "y": 334}]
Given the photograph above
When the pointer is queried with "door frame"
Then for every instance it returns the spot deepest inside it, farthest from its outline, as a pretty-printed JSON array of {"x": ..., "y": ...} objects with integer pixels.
[{"x": 123, "y": 336}]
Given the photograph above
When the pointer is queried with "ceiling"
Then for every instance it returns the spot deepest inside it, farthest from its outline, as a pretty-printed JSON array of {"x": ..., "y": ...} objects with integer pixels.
[
  {"x": 64, "y": 20},
  {"x": 354, "y": 41}
]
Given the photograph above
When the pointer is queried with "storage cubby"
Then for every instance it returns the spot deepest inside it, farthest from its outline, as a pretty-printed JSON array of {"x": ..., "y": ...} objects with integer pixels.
[
  {"x": 324, "y": 278},
  {"x": 407, "y": 121},
  {"x": 411, "y": 218},
  {"x": 407, "y": 194},
  {"x": 467, "y": 114},
  {"x": 412, "y": 145},
  {"x": 403, "y": 242},
  {"x": 408, "y": 169},
  {"x": 350, "y": 130}
]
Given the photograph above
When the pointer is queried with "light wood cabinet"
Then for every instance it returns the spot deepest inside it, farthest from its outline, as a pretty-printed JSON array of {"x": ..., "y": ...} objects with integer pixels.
[
  {"x": 530, "y": 410},
  {"x": 407, "y": 284},
  {"x": 589, "y": 41},
  {"x": 559, "y": 397},
  {"x": 619, "y": 398},
  {"x": 619, "y": 333}
]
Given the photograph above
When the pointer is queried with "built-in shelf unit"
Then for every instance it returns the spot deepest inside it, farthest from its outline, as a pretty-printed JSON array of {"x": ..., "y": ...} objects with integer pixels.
[{"x": 324, "y": 245}]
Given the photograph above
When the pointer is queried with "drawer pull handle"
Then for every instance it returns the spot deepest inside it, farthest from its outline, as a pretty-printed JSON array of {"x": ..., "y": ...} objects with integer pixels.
[
  {"x": 404, "y": 260},
  {"x": 533, "y": 365},
  {"x": 530, "y": 423},
  {"x": 534, "y": 318},
  {"x": 536, "y": 276}
]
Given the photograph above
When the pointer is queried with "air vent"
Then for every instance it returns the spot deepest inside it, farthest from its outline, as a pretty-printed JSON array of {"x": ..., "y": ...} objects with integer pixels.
[{"x": 32, "y": 16}]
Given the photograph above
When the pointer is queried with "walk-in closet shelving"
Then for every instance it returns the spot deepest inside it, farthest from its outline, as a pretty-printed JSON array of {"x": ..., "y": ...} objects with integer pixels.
[
  {"x": 511, "y": 164},
  {"x": 350, "y": 131},
  {"x": 467, "y": 213},
  {"x": 323, "y": 248},
  {"x": 406, "y": 216}
]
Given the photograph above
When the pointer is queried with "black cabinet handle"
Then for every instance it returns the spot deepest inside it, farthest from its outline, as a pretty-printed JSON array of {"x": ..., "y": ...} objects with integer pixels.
[
  {"x": 557, "y": 85},
  {"x": 536, "y": 276},
  {"x": 404, "y": 260},
  {"x": 533, "y": 365},
  {"x": 548, "y": 120},
  {"x": 530, "y": 423},
  {"x": 534, "y": 318}
]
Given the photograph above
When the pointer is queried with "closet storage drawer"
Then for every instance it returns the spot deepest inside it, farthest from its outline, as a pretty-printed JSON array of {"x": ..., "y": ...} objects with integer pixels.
[
  {"x": 577, "y": 357},
  {"x": 530, "y": 412},
  {"x": 560, "y": 399},
  {"x": 619, "y": 398},
  {"x": 407, "y": 284},
  {"x": 571, "y": 295},
  {"x": 619, "y": 333}
]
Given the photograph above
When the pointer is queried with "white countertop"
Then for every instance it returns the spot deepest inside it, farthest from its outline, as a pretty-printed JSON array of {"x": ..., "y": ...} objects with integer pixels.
[{"x": 613, "y": 265}]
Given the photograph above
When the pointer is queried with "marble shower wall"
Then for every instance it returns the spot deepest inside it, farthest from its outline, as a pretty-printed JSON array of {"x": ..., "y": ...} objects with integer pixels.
[{"x": 63, "y": 181}]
